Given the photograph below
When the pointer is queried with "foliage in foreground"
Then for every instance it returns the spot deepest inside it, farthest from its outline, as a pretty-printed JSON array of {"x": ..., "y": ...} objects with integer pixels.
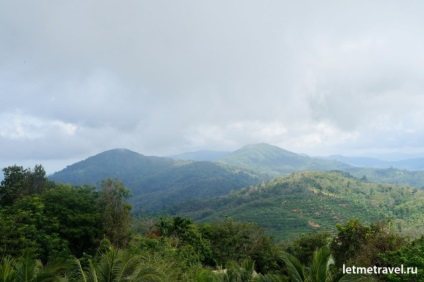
[{"x": 56, "y": 232}]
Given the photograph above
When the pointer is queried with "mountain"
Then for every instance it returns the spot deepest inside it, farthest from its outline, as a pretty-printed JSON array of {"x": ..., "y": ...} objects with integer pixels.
[
  {"x": 361, "y": 161},
  {"x": 123, "y": 164},
  {"x": 273, "y": 160},
  {"x": 313, "y": 201},
  {"x": 410, "y": 164},
  {"x": 389, "y": 176},
  {"x": 193, "y": 180},
  {"x": 415, "y": 164},
  {"x": 156, "y": 182},
  {"x": 204, "y": 155}
]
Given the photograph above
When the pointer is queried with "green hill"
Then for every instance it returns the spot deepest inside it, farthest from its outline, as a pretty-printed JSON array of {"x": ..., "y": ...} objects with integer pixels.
[
  {"x": 156, "y": 182},
  {"x": 273, "y": 160},
  {"x": 414, "y": 164},
  {"x": 194, "y": 180},
  {"x": 117, "y": 163},
  {"x": 390, "y": 175},
  {"x": 314, "y": 201},
  {"x": 205, "y": 155}
]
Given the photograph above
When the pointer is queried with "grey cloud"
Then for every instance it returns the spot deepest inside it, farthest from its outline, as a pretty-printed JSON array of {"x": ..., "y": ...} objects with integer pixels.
[{"x": 162, "y": 76}]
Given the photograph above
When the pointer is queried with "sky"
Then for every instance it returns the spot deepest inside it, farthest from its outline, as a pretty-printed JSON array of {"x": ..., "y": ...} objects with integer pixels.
[{"x": 166, "y": 77}]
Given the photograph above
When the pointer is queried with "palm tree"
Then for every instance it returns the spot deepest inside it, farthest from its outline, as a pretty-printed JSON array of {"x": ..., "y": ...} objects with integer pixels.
[
  {"x": 28, "y": 269},
  {"x": 296, "y": 271},
  {"x": 319, "y": 271},
  {"x": 115, "y": 266},
  {"x": 7, "y": 270}
]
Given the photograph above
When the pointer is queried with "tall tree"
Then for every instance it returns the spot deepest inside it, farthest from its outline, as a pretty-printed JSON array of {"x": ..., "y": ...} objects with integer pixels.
[
  {"x": 115, "y": 212},
  {"x": 76, "y": 215}
]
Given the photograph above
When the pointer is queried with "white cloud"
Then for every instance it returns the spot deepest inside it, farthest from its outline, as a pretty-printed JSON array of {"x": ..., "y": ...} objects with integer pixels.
[
  {"x": 161, "y": 77},
  {"x": 17, "y": 126}
]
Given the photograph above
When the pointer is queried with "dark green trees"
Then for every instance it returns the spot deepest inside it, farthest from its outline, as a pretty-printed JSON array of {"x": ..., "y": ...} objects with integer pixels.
[
  {"x": 411, "y": 255},
  {"x": 237, "y": 241},
  {"x": 19, "y": 182},
  {"x": 56, "y": 221},
  {"x": 115, "y": 212},
  {"x": 360, "y": 245},
  {"x": 74, "y": 216}
]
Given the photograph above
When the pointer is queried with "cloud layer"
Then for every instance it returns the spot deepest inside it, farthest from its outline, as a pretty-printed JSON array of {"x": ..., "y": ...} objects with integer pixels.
[{"x": 162, "y": 77}]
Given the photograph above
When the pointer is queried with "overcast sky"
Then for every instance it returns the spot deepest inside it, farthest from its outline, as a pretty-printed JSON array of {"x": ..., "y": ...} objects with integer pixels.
[{"x": 164, "y": 77}]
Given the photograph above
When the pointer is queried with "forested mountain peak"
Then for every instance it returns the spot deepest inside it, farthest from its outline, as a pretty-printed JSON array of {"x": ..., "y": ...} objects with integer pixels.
[
  {"x": 115, "y": 163},
  {"x": 156, "y": 182},
  {"x": 275, "y": 161}
]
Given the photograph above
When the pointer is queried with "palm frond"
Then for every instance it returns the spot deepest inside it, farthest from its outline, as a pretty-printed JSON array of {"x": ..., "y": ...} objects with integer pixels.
[{"x": 295, "y": 269}]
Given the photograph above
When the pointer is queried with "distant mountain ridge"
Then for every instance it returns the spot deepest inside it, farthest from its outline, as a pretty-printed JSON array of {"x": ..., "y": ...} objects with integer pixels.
[
  {"x": 414, "y": 164},
  {"x": 285, "y": 192},
  {"x": 203, "y": 155},
  {"x": 276, "y": 161},
  {"x": 157, "y": 182},
  {"x": 115, "y": 163}
]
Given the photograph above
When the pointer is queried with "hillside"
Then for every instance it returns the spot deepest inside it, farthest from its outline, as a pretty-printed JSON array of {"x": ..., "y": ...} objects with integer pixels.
[
  {"x": 273, "y": 160},
  {"x": 156, "y": 182},
  {"x": 414, "y": 164},
  {"x": 204, "y": 155},
  {"x": 390, "y": 176},
  {"x": 194, "y": 180},
  {"x": 117, "y": 163},
  {"x": 314, "y": 201},
  {"x": 360, "y": 161}
]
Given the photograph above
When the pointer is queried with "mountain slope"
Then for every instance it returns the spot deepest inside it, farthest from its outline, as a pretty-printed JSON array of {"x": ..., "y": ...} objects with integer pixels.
[
  {"x": 117, "y": 163},
  {"x": 314, "y": 201},
  {"x": 204, "y": 155},
  {"x": 415, "y": 164},
  {"x": 360, "y": 161},
  {"x": 389, "y": 176},
  {"x": 194, "y": 180},
  {"x": 410, "y": 164},
  {"x": 275, "y": 161},
  {"x": 157, "y": 182}
]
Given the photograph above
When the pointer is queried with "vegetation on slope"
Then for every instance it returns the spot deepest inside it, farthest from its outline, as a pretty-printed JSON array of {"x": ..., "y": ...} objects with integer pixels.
[
  {"x": 56, "y": 232},
  {"x": 123, "y": 164},
  {"x": 155, "y": 182},
  {"x": 314, "y": 201},
  {"x": 275, "y": 161},
  {"x": 194, "y": 180},
  {"x": 390, "y": 176}
]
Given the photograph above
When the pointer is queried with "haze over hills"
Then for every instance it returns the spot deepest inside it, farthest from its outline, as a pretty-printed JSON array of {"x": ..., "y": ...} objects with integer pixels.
[{"x": 415, "y": 164}]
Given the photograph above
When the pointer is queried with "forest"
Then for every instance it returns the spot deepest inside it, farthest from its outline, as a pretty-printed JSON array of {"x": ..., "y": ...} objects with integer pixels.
[{"x": 60, "y": 232}]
